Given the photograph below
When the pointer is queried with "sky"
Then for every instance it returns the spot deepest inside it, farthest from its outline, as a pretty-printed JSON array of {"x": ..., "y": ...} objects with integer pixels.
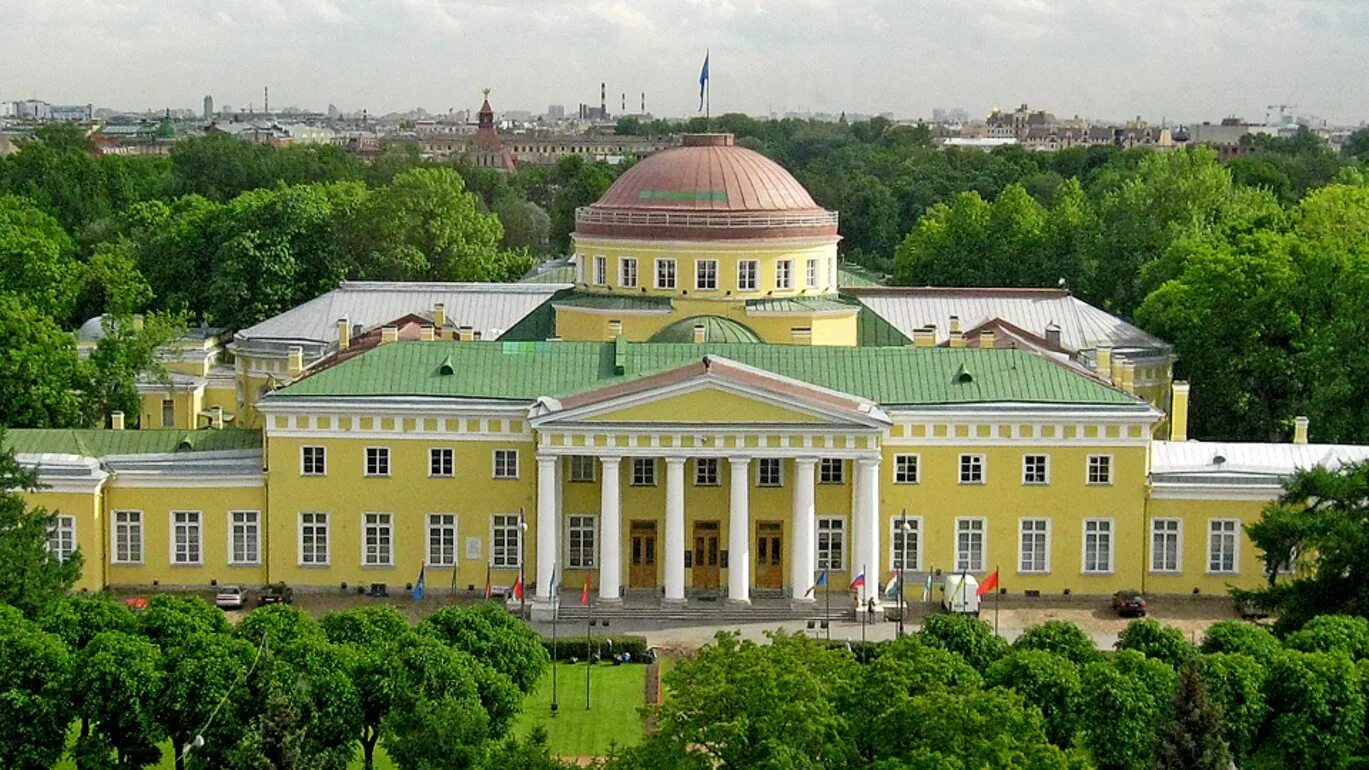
[{"x": 1176, "y": 60}]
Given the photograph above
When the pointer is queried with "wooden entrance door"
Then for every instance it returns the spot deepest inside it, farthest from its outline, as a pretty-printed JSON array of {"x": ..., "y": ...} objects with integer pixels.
[
  {"x": 706, "y": 572},
  {"x": 642, "y": 567},
  {"x": 769, "y": 554}
]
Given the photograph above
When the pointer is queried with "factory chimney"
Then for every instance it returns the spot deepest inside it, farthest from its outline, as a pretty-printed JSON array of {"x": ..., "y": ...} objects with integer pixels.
[
  {"x": 266, "y": 99},
  {"x": 603, "y": 101}
]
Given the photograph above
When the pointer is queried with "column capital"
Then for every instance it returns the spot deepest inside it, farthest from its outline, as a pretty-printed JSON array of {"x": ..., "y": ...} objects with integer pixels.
[
  {"x": 740, "y": 460},
  {"x": 548, "y": 459},
  {"x": 868, "y": 462},
  {"x": 674, "y": 460},
  {"x": 615, "y": 460},
  {"x": 806, "y": 460}
]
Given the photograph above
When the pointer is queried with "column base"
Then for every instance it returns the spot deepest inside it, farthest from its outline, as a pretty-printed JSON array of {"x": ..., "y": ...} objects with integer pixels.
[
  {"x": 541, "y": 611},
  {"x": 609, "y": 601},
  {"x": 669, "y": 602},
  {"x": 740, "y": 601},
  {"x": 806, "y": 603}
]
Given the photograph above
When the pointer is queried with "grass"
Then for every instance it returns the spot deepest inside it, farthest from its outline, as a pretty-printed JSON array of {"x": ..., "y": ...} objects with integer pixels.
[{"x": 615, "y": 717}]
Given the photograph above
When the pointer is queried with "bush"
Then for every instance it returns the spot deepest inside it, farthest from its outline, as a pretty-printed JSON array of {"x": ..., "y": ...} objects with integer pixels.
[
  {"x": 967, "y": 636},
  {"x": 1062, "y": 638},
  {"x": 1155, "y": 640},
  {"x": 568, "y": 647},
  {"x": 1333, "y": 633},
  {"x": 1240, "y": 637},
  {"x": 1318, "y": 708}
]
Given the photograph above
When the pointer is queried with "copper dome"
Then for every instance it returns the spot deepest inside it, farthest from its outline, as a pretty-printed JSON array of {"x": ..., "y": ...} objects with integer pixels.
[{"x": 707, "y": 188}]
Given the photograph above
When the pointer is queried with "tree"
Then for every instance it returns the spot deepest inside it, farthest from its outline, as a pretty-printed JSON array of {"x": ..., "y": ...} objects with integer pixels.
[
  {"x": 1048, "y": 681},
  {"x": 967, "y": 636},
  {"x": 36, "y": 578},
  {"x": 201, "y": 695},
  {"x": 1357, "y": 144},
  {"x": 576, "y": 183},
  {"x": 1156, "y": 640},
  {"x": 1236, "y": 636},
  {"x": 491, "y": 635},
  {"x": 306, "y": 712},
  {"x": 1332, "y": 633},
  {"x": 371, "y": 636},
  {"x": 41, "y": 370},
  {"x": 1191, "y": 737},
  {"x": 171, "y": 621},
  {"x": 1124, "y": 699},
  {"x": 113, "y": 282},
  {"x": 436, "y": 720},
  {"x": 79, "y": 619},
  {"x": 37, "y": 259},
  {"x": 34, "y": 671},
  {"x": 904, "y": 668},
  {"x": 1062, "y": 638},
  {"x": 279, "y": 626},
  {"x": 115, "y": 683},
  {"x": 1235, "y": 685},
  {"x": 1318, "y": 708},
  {"x": 127, "y": 350}
]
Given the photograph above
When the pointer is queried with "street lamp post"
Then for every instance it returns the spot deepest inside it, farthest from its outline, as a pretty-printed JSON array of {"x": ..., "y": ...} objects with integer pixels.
[
  {"x": 590, "y": 623},
  {"x": 902, "y": 564},
  {"x": 522, "y": 562},
  {"x": 555, "y": 613}
]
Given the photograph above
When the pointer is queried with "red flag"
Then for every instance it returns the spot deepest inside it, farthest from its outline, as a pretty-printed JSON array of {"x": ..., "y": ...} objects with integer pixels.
[
  {"x": 518, "y": 587},
  {"x": 989, "y": 584},
  {"x": 584, "y": 594}
]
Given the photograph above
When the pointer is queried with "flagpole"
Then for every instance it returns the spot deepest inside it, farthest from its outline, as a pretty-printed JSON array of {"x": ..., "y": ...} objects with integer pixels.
[
  {"x": 997, "y": 592},
  {"x": 827, "y": 613},
  {"x": 522, "y": 561},
  {"x": 555, "y": 606},
  {"x": 860, "y": 608},
  {"x": 902, "y": 565},
  {"x": 708, "y": 92}
]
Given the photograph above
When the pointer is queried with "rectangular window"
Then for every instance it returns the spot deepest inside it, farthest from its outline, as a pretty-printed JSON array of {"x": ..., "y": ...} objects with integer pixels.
[
  {"x": 831, "y": 543},
  {"x": 244, "y": 537},
  {"x": 506, "y": 537},
  {"x": 442, "y": 539},
  {"x": 580, "y": 542},
  {"x": 441, "y": 462},
  {"x": 1100, "y": 469},
  {"x": 1097, "y": 545},
  {"x": 128, "y": 537},
  {"x": 972, "y": 469},
  {"x": 600, "y": 270},
  {"x": 313, "y": 461},
  {"x": 706, "y": 472},
  {"x": 769, "y": 472},
  {"x": 168, "y": 413},
  {"x": 506, "y": 463},
  {"x": 627, "y": 272},
  {"x": 906, "y": 470},
  {"x": 705, "y": 274},
  {"x": 746, "y": 274},
  {"x": 1221, "y": 545},
  {"x": 313, "y": 539},
  {"x": 831, "y": 470},
  {"x": 377, "y": 547},
  {"x": 905, "y": 544},
  {"x": 665, "y": 273},
  {"x": 1165, "y": 544},
  {"x": 784, "y": 274},
  {"x": 969, "y": 545},
  {"x": 377, "y": 461},
  {"x": 1034, "y": 543},
  {"x": 643, "y": 471},
  {"x": 812, "y": 273},
  {"x": 582, "y": 469},
  {"x": 62, "y": 538},
  {"x": 185, "y": 537},
  {"x": 1035, "y": 469}
]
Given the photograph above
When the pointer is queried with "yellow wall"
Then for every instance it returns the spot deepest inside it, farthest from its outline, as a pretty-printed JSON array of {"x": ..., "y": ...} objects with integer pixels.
[
  {"x": 767, "y": 253},
  {"x": 576, "y": 324},
  {"x": 157, "y": 504},
  {"x": 1196, "y": 515},
  {"x": 187, "y": 407},
  {"x": 85, "y": 508}
]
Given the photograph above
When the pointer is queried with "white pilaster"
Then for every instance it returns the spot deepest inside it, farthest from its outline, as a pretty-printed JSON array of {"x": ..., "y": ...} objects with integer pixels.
[
  {"x": 674, "y": 529},
  {"x": 547, "y": 524},
  {"x": 867, "y": 525},
  {"x": 739, "y": 533},
  {"x": 804, "y": 554},
  {"x": 610, "y": 531}
]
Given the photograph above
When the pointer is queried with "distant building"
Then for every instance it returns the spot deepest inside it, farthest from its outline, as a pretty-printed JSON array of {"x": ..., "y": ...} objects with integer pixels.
[
  {"x": 486, "y": 149},
  {"x": 208, "y": 107},
  {"x": 556, "y": 112}
]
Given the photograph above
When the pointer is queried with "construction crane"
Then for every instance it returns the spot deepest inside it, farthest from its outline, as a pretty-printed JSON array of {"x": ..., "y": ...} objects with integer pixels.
[{"x": 1283, "y": 111}]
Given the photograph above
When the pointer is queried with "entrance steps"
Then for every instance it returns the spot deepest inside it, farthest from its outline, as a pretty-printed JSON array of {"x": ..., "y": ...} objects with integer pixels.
[{"x": 767, "y": 606}]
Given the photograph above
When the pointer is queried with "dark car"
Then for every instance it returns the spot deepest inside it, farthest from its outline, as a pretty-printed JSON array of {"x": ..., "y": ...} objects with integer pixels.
[
  {"x": 276, "y": 593},
  {"x": 1129, "y": 604}
]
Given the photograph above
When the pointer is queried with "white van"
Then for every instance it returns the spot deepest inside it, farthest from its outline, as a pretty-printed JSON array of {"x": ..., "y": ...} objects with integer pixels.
[{"x": 961, "y": 594}]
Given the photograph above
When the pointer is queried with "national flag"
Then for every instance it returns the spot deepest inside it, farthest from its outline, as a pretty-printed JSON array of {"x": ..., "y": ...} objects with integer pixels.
[
  {"x": 821, "y": 581},
  {"x": 859, "y": 582},
  {"x": 518, "y": 587},
  {"x": 584, "y": 593},
  {"x": 421, "y": 583},
  {"x": 989, "y": 584},
  {"x": 895, "y": 584},
  {"x": 703, "y": 81}
]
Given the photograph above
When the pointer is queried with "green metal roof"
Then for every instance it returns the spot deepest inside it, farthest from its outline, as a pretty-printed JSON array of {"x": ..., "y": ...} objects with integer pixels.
[
  {"x": 93, "y": 442},
  {"x": 557, "y": 274},
  {"x": 597, "y": 301},
  {"x": 802, "y": 304},
  {"x": 523, "y": 371},
  {"x": 850, "y": 274},
  {"x": 540, "y": 324},
  {"x": 716, "y": 329},
  {"x": 873, "y": 331}
]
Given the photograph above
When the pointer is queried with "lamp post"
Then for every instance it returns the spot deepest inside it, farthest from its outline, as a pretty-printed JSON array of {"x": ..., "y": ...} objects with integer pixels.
[
  {"x": 522, "y": 562},
  {"x": 555, "y": 690},
  {"x": 590, "y": 623},
  {"x": 902, "y": 565}
]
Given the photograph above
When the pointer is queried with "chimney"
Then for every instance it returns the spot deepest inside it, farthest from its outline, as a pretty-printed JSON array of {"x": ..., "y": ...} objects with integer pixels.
[
  {"x": 1053, "y": 334},
  {"x": 389, "y": 334},
  {"x": 700, "y": 334},
  {"x": 802, "y": 335},
  {"x": 116, "y": 420},
  {"x": 1300, "y": 425},
  {"x": 1103, "y": 354},
  {"x": 603, "y": 101},
  {"x": 956, "y": 333},
  {"x": 344, "y": 334},
  {"x": 466, "y": 333},
  {"x": 615, "y": 328},
  {"x": 1178, "y": 411},
  {"x": 425, "y": 333},
  {"x": 924, "y": 337},
  {"x": 296, "y": 361},
  {"x": 986, "y": 338},
  {"x": 216, "y": 418},
  {"x": 439, "y": 315}
]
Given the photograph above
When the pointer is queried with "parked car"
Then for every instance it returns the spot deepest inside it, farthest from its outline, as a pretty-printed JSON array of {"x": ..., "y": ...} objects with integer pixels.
[
  {"x": 230, "y": 597},
  {"x": 276, "y": 593},
  {"x": 1129, "y": 604}
]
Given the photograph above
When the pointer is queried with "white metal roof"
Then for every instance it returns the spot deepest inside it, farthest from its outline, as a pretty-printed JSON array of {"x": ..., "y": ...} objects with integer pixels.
[{"x": 1235, "y": 458}]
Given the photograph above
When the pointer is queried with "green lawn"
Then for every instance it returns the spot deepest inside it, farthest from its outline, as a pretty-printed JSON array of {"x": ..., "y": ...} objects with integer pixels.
[{"x": 614, "y": 716}]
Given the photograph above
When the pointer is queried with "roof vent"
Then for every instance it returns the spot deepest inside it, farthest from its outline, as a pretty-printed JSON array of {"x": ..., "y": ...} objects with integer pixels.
[
  {"x": 962, "y": 376},
  {"x": 446, "y": 367}
]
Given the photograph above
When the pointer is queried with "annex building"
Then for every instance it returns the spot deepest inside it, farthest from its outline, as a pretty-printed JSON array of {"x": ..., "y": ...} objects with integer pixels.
[{"x": 702, "y": 400}]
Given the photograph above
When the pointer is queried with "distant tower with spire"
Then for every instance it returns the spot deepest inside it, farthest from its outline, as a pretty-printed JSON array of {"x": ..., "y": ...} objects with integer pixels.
[{"x": 486, "y": 149}]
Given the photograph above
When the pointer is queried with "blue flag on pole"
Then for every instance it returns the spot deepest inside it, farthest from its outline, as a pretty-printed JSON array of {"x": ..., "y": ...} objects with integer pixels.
[
  {"x": 420, "y": 585},
  {"x": 703, "y": 81}
]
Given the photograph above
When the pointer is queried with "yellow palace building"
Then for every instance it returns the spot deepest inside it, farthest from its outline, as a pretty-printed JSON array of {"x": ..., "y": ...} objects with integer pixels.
[{"x": 698, "y": 402}]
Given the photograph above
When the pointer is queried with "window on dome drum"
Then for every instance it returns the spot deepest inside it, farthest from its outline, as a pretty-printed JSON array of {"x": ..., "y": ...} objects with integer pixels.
[
  {"x": 1035, "y": 469},
  {"x": 643, "y": 471},
  {"x": 600, "y": 270},
  {"x": 377, "y": 461},
  {"x": 831, "y": 470},
  {"x": 378, "y": 540},
  {"x": 128, "y": 537},
  {"x": 769, "y": 472},
  {"x": 1097, "y": 545},
  {"x": 969, "y": 545},
  {"x": 1221, "y": 545},
  {"x": 906, "y": 470},
  {"x": 62, "y": 538},
  {"x": 313, "y": 461},
  {"x": 1100, "y": 469},
  {"x": 784, "y": 274},
  {"x": 812, "y": 274},
  {"x": 972, "y": 469},
  {"x": 506, "y": 539},
  {"x": 506, "y": 463},
  {"x": 313, "y": 539},
  {"x": 706, "y": 472},
  {"x": 905, "y": 543},
  {"x": 665, "y": 273},
  {"x": 582, "y": 469},
  {"x": 442, "y": 540},
  {"x": 580, "y": 531},
  {"x": 705, "y": 274},
  {"x": 1034, "y": 539},
  {"x": 441, "y": 462},
  {"x": 746, "y": 274},
  {"x": 831, "y": 543},
  {"x": 1164, "y": 544},
  {"x": 244, "y": 537},
  {"x": 627, "y": 272}
]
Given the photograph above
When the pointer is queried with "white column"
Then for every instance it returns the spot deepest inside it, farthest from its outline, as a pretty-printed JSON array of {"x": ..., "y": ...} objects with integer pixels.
[
  {"x": 674, "y": 529},
  {"x": 739, "y": 533},
  {"x": 546, "y": 524},
  {"x": 868, "y": 522},
  {"x": 610, "y": 531},
  {"x": 804, "y": 552}
]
